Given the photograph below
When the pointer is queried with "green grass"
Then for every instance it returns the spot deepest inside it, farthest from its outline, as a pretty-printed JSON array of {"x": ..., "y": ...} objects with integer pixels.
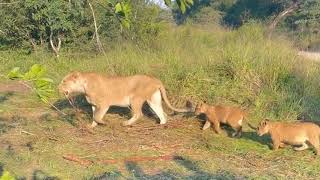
[{"x": 240, "y": 67}]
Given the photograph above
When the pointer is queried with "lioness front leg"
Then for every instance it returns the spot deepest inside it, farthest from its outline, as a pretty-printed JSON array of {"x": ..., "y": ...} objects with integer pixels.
[
  {"x": 206, "y": 125},
  {"x": 136, "y": 107},
  {"x": 98, "y": 114}
]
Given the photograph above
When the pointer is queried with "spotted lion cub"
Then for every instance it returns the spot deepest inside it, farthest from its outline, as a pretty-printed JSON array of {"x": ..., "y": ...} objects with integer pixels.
[
  {"x": 292, "y": 133},
  {"x": 232, "y": 116}
]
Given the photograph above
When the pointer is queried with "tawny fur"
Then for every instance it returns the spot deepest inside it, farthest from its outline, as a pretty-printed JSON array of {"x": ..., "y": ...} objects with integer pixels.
[
  {"x": 102, "y": 92},
  {"x": 232, "y": 116},
  {"x": 291, "y": 133}
]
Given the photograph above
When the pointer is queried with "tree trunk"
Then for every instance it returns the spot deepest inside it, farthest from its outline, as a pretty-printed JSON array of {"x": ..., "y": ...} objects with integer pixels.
[
  {"x": 55, "y": 48},
  {"x": 99, "y": 45},
  {"x": 33, "y": 44},
  {"x": 282, "y": 15}
]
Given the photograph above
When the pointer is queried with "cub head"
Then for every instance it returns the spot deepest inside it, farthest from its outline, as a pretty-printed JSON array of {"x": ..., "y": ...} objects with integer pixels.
[
  {"x": 200, "y": 108},
  {"x": 71, "y": 83},
  {"x": 263, "y": 127}
]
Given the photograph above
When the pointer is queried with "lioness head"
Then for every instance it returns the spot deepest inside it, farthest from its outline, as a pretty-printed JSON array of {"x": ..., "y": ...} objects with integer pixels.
[
  {"x": 200, "y": 108},
  {"x": 71, "y": 83},
  {"x": 263, "y": 127}
]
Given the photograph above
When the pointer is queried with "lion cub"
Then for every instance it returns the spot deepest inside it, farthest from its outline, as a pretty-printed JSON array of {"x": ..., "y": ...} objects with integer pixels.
[
  {"x": 292, "y": 133},
  {"x": 232, "y": 116}
]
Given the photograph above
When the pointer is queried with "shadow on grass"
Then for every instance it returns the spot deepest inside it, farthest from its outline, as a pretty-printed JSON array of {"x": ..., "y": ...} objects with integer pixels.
[
  {"x": 1, "y": 169},
  {"x": 253, "y": 136},
  {"x": 81, "y": 104},
  {"x": 40, "y": 175},
  {"x": 137, "y": 172},
  {"x": 5, "y": 96}
]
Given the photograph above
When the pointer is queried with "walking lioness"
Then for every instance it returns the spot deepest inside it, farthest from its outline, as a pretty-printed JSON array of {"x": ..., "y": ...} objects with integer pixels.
[
  {"x": 232, "y": 116},
  {"x": 292, "y": 133},
  {"x": 102, "y": 92}
]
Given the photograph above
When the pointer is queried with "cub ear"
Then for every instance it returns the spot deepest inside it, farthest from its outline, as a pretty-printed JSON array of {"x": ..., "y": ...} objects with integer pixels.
[{"x": 265, "y": 122}]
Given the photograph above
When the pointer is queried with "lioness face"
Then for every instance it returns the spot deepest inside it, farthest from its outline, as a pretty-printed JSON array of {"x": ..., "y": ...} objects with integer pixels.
[
  {"x": 71, "y": 83},
  {"x": 200, "y": 108},
  {"x": 263, "y": 127}
]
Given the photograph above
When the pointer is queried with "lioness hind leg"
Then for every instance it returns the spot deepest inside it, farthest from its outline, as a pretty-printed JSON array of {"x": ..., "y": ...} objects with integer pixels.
[
  {"x": 156, "y": 106},
  {"x": 303, "y": 147},
  {"x": 136, "y": 107}
]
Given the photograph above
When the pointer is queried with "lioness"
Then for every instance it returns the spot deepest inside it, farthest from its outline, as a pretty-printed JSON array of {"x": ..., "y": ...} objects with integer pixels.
[
  {"x": 102, "y": 92},
  {"x": 232, "y": 116},
  {"x": 292, "y": 133}
]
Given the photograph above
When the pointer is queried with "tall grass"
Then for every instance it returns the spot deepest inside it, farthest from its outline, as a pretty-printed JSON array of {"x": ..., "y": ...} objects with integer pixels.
[{"x": 240, "y": 67}]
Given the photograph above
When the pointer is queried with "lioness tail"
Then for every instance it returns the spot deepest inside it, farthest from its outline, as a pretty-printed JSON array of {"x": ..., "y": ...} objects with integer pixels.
[{"x": 166, "y": 100}]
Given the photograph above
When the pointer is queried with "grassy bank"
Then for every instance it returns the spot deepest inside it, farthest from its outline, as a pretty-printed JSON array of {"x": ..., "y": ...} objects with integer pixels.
[{"x": 240, "y": 67}]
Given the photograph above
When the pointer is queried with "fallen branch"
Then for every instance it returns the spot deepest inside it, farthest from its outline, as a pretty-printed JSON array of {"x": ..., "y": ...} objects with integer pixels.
[
  {"x": 138, "y": 159},
  {"x": 74, "y": 158},
  {"x": 26, "y": 132},
  {"x": 86, "y": 162},
  {"x": 167, "y": 126},
  {"x": 53, "y": 139},
  {"x": 34, "y": 90},
  {"x": 9, "y": 3}
]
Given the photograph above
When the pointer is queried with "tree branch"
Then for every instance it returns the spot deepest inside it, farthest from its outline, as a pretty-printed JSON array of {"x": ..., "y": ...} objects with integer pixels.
[
  {"x": 99, "y": 45},
  {"x": 9, "y": 3},
  {"x": 55, "y": 48},
  {"x": 282, "y": 15}
]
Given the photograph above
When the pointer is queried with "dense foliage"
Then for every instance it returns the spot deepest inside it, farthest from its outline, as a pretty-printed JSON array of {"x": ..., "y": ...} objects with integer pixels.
[{"x": 46, "y": 24}]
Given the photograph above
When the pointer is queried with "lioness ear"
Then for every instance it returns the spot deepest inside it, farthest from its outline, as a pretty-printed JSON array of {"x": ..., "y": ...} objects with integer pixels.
[{"x": 75, "y": 74}]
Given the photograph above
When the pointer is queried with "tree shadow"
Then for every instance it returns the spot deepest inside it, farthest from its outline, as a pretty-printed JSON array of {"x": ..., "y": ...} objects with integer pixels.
[
  {"x": 1, "y": 169},
  {"x": 40, "y": 175},
  {"x": 138, "y": 173},
  {"x": 4, "y": 97},
  {"x": 8, "y": 123}
]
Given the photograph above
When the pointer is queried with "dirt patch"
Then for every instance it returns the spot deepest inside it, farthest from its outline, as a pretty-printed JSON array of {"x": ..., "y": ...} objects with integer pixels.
[
  {"x": 310, "y": 55},
  {"x": 13, "y": 86}
]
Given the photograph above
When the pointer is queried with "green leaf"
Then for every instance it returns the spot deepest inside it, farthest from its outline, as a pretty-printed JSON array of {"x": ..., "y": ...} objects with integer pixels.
[
  {"x": 15, "y": 73},
  {"x": 189, "y": 3},
  {"x": 42, "y": 86},
  {"x": 167, "y": 2},
  {"x": 6, "y": 176},
  {"x": 118, "y": 8},
  {"x": 182, "y": 5},
  {"x": 36, "y": 71}
]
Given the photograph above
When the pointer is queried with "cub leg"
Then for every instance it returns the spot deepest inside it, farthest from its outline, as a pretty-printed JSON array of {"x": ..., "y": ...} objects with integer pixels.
[
  {"x": 156, "y": 106},
  {"x": 275, "y": 143},
  {"x": 136, "y": 107},
  {"x": 217, "y": 127},
  {"x": 98, "y": 114},
  {"x": 282, "y": 145},
  {"x": 206, "y": 125}
]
